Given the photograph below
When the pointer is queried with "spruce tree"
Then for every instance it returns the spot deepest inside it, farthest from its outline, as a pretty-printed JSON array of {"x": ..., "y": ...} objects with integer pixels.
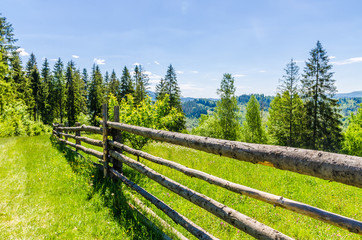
[
  {"x": 7, "y": 40},
  {"x": 84, "y": 90},
  {"x": 286, "y": 110},
  {"x": 172, "y": 89},
  {"x": 322, "y": 124},
  {"x": 127, "y": 86},
  {"x": 114, "y": 86},
  {"x": 227, "y": 110},
  {"x": 96, "y": 95},
  {"x": 161, "y": 89},
  {"x": 35, "y": 84},
  {"x": 141, "y": 82},
  {"x": 252, "y": 126},
  {"x": 46, "y": 101},
  {"x": 20, "y": 81},
  {"x": 74, "y": 96},
  {"x": 59, "y": 96}
]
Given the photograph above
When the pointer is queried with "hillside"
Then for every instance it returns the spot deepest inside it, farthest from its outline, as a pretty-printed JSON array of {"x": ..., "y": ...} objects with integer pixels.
[{"x": 356, "y": 94}]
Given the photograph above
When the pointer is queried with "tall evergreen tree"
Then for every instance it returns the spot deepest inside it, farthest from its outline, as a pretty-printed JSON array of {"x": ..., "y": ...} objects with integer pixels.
[
  {"x": 35, "y": 84},
  {"x": 286, "y": 110},
  {"x": 46, "y": 104},
  {"x": 141, "y": 82},
  {"x": 21, "y": 83},
  {"x": 252, "y": 126},
  {"x": 322, "y": 115},
  {"x": 85, "y": 84},
  {"x": 7, "y": 41},
  {"x": 59, "y": 96},
  {"x": 74, "y": 95},
  {"x": 127, "y": 86},
  {"x": 161, "y": 89},
  {"x": 114, "y": 86},
  {"x": 227, "y": 109},
  {"x": 172, "y": 89},
  {"x": 96, "y": 94}
]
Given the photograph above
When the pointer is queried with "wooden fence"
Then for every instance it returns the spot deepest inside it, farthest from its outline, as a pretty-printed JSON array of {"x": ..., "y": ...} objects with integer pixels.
[{"x": 330, "y": 166}]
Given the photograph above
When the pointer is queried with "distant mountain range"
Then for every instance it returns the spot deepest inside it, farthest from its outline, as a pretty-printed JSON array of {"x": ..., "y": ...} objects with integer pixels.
[{"x": 356, "y": 94}]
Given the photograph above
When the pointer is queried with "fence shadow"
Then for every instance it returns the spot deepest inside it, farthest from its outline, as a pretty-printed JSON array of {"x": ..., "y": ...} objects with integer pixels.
[{"x": 113, "y": 197}]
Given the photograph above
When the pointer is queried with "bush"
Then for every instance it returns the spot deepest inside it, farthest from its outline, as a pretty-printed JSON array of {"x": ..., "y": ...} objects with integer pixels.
[{"x": 16, "y": 121}]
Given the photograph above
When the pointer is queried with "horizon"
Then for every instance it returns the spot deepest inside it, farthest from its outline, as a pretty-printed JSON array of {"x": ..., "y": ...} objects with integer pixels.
[{"x": 252, "y": 41}]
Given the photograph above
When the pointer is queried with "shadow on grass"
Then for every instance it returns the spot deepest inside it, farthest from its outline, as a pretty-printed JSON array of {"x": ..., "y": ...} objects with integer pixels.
[{"x": 136, "y": 225}]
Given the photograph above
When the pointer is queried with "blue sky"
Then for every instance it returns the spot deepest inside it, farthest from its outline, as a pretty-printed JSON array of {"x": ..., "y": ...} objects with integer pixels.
[{"x": 253, "y": 40}]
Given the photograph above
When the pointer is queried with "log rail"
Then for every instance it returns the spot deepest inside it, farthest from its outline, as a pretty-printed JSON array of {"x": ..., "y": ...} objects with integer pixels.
[{"x": 330, "y": 166}]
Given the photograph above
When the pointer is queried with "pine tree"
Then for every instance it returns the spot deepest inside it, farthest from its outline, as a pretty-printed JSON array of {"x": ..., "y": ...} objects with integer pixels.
[
  {"x": 85, "y": 85},
  {"x": 172, "y": 89},
  {"x": 96, "y": 94},
  {"x": 7, "y": 40},
  {"x": 59, "y": 96},
  {"x": 127, "y": 86},
  {"x": 106, "y": 86},
  {"x": 141, "y": 82},
  {"x": 286, "y": 110},
  {"x": 323, "y": 127},
  {"x": 114, "y": 86},
  {"x": 45, "y": 99},
  {"x": 252, "y": 126},
  {"x": 161, "y": 89},
  {"x": 35, "y": 84},
  {"x": 227, "y": 109},
  {"x": 74, "y": 95},
  {"x": 21, "y": 83}
]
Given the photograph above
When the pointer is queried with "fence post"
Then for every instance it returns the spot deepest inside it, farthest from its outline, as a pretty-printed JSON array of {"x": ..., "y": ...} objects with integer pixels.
[
  {"x": 59, "y": 131},
  {"x": 77, "y": 133},
  {"x": 117, "y": 137},
  {"x": 66, "y": 132},
  {"x": 105, "y": 136}
]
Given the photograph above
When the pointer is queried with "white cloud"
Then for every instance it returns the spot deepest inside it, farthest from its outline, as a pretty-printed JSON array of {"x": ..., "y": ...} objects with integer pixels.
[
  {"x": 75, "y": 56},
  {"x": 262, "y": 71},
  {"x": 180, "y": 72},
  {"x": 332, "y": 57},
  {"x": 156, "y": 62},
  {"x": 137, "y": 64},
  {"x": 99, "y": 61},
  {"x": 348, "y": 61},
  {"x": 53, "y": 59},
  {"x": 239, "y": 75},
  {"x": 194, "y": 71},
  {"x": 22, "y": 52}
]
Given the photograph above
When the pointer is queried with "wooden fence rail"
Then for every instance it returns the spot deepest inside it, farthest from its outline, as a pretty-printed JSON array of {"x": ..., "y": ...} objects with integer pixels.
[{"x": 329, "y": 166}]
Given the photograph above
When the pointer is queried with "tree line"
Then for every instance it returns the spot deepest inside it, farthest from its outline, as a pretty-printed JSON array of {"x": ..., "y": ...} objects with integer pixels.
[{"x": 303, "y": 113}]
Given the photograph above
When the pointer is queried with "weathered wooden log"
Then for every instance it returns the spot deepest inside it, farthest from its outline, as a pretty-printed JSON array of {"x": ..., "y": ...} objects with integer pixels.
[
  {"x": 91, "y": 141},
  {"x": 178, "y": 218},
  {"x": 164, "y": 224},
  {"x": 85, "y": 128},
  {"x": 84, "y": 149},
  {"x": 317, "y": 213},
  {"x": 330, "y": 166},
  {"x": 233, "y": 217},
  {"x": 116, "y": 136},
  {"x": 77, "y": 133}
]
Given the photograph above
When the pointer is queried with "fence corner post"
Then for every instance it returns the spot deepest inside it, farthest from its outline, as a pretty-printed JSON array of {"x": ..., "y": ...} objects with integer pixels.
[
  {"x": 66, "y": 132},
  {"x": 105, "y": 137},
  {"x": 117, "y": 137}
]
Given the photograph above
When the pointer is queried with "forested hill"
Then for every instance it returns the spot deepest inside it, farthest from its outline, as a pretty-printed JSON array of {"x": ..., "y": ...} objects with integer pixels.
[{"x": 194, "y": 107}]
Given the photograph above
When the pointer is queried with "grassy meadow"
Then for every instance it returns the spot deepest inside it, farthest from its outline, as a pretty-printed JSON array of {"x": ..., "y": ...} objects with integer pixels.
[{"x": 49, "y": 192}]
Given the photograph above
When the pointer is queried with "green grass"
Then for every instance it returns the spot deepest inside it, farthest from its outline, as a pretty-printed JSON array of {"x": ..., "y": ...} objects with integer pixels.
[
  {"x": 331, "y": 196},
  {"x": 52, "y": 194},
  {"x": 47, "y": 192}
]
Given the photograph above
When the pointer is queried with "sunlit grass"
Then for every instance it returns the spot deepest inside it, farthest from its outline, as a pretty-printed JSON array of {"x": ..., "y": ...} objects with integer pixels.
[
  {"x": 331, "y": 196},
  {"x": 50, "y": 193}
]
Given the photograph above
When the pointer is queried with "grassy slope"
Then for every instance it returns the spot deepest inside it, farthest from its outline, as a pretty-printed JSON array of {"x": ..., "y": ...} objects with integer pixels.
[
  {"x": 331, "y": 196},
  {"x": 41, "y": 202},
  {"x": 48, "y": 194}
]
